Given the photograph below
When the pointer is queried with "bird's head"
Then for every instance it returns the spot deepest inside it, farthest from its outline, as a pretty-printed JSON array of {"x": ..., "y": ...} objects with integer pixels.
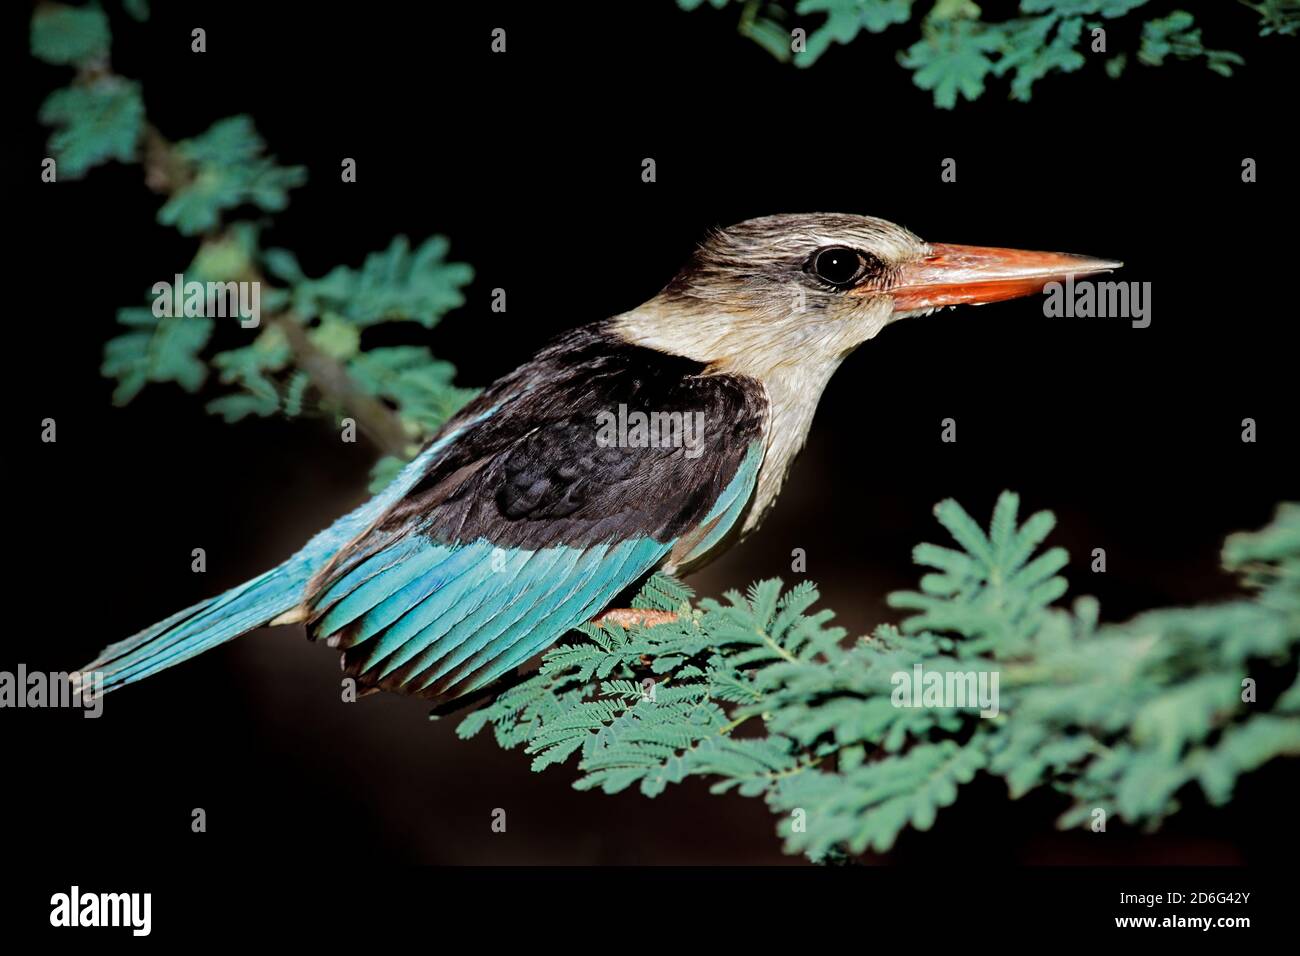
[{"x": 785, "y": 290}]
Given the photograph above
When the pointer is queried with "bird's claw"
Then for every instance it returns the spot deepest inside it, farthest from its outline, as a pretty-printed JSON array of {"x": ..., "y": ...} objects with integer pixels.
[{"x": 627, "y": 617}]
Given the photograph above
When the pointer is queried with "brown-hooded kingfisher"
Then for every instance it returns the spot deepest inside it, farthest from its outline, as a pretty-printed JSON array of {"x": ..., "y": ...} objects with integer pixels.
[{"x": 522, "y": 519}]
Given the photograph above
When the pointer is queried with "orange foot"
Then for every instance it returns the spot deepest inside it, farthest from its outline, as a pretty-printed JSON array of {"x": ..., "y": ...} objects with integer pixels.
[{"x": 626, "y": 617}]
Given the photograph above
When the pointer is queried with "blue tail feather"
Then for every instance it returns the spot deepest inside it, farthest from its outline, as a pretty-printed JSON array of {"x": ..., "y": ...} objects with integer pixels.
[{"x": 203, "y": 626}]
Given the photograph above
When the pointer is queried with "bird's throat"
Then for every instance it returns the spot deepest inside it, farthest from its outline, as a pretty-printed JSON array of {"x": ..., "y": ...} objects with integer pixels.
[{"x": 793, "y": 393}]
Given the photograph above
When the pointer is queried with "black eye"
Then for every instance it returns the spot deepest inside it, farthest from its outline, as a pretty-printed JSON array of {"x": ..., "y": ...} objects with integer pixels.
[{"x": 838, "y": 265}]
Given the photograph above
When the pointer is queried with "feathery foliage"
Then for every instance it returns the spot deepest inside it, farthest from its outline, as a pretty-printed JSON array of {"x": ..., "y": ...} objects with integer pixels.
[
  {"x": 305, "y": 352},
  {"x": 225, "y": 169},
  {"x": 1118, "y": 718},
  {"x": 960, "y": 48}
]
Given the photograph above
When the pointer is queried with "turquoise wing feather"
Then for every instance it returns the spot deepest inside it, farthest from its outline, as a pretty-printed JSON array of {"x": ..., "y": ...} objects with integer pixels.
[{"x": 444, "y": 619}]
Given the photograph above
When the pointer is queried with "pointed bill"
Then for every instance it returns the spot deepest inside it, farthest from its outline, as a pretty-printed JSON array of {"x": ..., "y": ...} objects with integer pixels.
[{"x": 975, "y": 275}]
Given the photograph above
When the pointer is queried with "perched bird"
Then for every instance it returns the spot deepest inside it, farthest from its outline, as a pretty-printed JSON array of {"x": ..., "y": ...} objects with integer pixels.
[{"x": 653, "y": 439}]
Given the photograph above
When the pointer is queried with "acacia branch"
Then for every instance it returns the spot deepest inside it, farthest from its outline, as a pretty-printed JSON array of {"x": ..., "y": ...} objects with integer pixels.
[
  {"x": 375, "y": 419},
  {"x": 167, "y": 172}
]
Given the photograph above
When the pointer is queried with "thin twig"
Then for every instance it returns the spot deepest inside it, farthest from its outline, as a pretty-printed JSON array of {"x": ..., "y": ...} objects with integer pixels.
[{"x": 374, "y": 419}]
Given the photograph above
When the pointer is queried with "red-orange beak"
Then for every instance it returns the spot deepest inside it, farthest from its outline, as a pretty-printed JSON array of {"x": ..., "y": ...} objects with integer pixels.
[{"x": 974, "y": 275}]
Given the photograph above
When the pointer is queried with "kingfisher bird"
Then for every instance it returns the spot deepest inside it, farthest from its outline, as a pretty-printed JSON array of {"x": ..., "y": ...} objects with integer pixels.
[{"x": 521, "y": 519}]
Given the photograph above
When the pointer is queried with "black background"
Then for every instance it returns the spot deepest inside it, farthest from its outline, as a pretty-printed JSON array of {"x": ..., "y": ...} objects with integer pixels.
[{"x": 530, "y": 162}]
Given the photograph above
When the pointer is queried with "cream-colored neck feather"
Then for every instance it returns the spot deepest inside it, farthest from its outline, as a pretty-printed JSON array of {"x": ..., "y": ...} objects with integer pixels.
[{"x": 793, "y": 391}]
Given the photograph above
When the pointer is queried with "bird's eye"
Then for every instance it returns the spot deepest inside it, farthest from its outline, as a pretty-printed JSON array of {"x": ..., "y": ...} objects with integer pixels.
[{"x": 838, "y": 265}]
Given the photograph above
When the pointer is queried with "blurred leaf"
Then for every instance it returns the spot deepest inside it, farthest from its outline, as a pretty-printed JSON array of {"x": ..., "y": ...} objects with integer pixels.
[
  {"x": 1277, "y": 17},
  {"x": 226, "y": 257},
  {"x": 1177, "y": 35},
  {"x": 1082, "y": 8},
  {"x": 952, "y": 61},
  {"x": 384, "y": 471},
  {"x": 282, "y": 264},
  {"x": 412, "y": 379},
  {"x": 95, "y": 124},
  {"x": 397, "y": 284},
  {"x": 156, "y": 350},
  {"x": 69, "y": 35},
  {"x": 240, "y": 405},
  {"x": 228, "y": 170},
  {"x": 845, "y": 19},
  {"x": 1035, "y": 48},
  {"x": 961, "y": 45},
  {"x": 251, "y": 368},
  {"x": 336, "y": 338}
]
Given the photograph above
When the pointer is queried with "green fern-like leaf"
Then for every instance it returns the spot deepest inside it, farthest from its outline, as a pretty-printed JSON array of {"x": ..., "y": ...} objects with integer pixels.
[
  {"x": 1117, "y": 717},
  {"x": 869, "y": 806}
]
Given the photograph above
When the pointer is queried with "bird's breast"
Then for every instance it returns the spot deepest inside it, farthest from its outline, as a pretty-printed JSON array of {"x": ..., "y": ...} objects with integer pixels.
[{"x": 793, "y": 392}]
